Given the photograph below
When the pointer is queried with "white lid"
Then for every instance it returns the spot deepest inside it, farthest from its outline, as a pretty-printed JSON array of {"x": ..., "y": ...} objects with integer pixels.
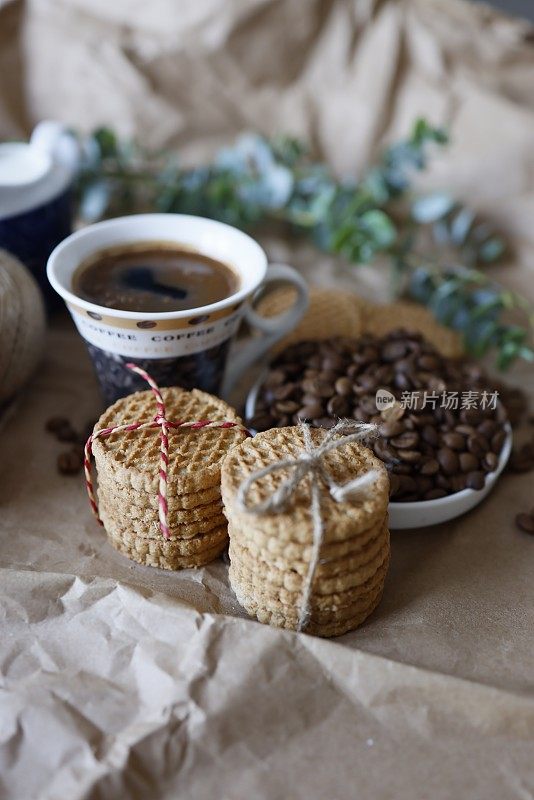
[
  {"x": 33, "y": 174},
  {"x": 21, "y": 165}
]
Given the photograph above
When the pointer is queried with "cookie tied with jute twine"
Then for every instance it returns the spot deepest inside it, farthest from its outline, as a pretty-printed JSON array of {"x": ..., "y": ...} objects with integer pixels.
[
  {"x": 307, "y": 520},
  {"x": 158, "y": 456}
]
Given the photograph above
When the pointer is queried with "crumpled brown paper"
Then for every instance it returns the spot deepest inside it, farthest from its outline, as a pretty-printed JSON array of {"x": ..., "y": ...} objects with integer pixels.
[{"x": 122, "y": 681}]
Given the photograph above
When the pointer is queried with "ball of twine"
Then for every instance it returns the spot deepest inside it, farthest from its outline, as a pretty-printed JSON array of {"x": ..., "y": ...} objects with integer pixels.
[{"x": 22, "y": 325}]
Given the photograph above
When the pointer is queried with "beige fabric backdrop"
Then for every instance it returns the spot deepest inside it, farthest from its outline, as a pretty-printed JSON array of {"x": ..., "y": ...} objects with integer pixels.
[{"x": 119, "y": 681}]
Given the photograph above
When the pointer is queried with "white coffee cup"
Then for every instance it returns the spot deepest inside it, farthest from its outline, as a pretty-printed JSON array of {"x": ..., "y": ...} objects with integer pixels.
[{"x": 188, "y": 347}]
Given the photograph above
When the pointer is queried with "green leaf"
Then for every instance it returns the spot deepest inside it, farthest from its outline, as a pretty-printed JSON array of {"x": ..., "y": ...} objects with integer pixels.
[
  {"x": 491, "y": 250},
  {"x": 380, "y": 227},
  {"x": 432, "y": 207},
  {"x": 107, "y": 141}
]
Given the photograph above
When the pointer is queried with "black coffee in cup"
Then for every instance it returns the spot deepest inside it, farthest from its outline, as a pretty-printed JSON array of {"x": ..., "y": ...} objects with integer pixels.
[{"x": 153, "y": 277}]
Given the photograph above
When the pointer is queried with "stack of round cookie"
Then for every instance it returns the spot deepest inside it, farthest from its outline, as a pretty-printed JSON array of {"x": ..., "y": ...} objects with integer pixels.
[
  {"x": 128, "y": 464},
  {"x": 270, "y": 553}
]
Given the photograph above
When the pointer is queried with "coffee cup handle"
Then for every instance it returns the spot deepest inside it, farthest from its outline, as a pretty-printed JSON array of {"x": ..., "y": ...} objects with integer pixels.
[{"x": 272, "y": 328}]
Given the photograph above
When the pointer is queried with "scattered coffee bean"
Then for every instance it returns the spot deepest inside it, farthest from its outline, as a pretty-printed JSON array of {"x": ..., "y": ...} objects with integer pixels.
[
  {"x": 525, "y": 522},
  {"x": 55, "y": 424},
  {"x": 70, "y": 462},
  {"x": 522, "y": 458}
]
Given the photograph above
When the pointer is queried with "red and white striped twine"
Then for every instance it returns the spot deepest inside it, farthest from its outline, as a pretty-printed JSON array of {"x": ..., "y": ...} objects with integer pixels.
[{"x": 159, "y": 421}]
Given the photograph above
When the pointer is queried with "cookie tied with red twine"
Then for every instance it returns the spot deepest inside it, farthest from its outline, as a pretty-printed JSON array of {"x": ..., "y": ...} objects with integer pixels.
[{"x": 159, "y": 475}]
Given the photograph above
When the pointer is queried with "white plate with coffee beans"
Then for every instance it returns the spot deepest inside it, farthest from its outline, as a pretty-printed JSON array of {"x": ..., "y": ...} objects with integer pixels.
[{"x": 442, "y": 464}]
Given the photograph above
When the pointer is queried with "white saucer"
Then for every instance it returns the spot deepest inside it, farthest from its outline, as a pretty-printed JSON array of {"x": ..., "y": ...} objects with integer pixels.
[{"x": 423, "y": 513}]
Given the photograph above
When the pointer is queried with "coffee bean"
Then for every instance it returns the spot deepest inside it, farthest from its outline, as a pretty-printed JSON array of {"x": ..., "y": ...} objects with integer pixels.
[
  {"x": 293, "y": 368},
  {"x": 324, "y": 422},
  {"x": 428, "y": 363},
  {"x": 368, "y": 405},
  {"x": 402, "y": 469},
  {"x": 393, "y": 485},
  {"x": 430, "y": 435},
  {"x": 393, "y": 413},
  {"x": 275, "y": 378},
  {"x": 475, "y": 480},
  {"x": 338, "y": 406},
  {"x": 448, "y": 460},
  {"x": 55, "y": 424},
  {"x": 435, "y": 494},
  {"x": 286, "y": 407},
  {"x": 343, "y": 387},
  {"x": 284, "y": 391},
  {"x": 406, "y": 441},
  {"x": 477, "y": 445},
  {"x": 389, "y": 429},
  {"x": 497, "y": 441},
  {"x": 525, "y": 522},
  {"x": 466, "y": 430},
  {"x": 442, "y": 482},
  {"x": 318, "y": 388},
  {"x": 261, "y": 422},
  {"x": 487, "y": 428},
  {"x": 310, "y": 411},
  {"x": 454, "y": 440},
  {"x": 468, "y": 462},
  {"x": 328, "y": 376},
  {"x": 334, "y": 362},
  {"x": 430, "y": 467},
  {"x": 471, "y": 415},
  {"x": 458, "y": 482},
  {"x": 407, "y": 483},
  {"x": 403, "y": 382},
  {"x": 424, "y": 484},
  {"x": 421, "y": 420},
  {"x": 490, "y": 462},
  {"x": 70, "y": 462},
  {"x": 367, "y": 382},
  {"x": 412, "y": 456},
  {"x": 384, "y": 452},
  {"x": 393, "y": 351},
  {"x": 315, "y": 361}
]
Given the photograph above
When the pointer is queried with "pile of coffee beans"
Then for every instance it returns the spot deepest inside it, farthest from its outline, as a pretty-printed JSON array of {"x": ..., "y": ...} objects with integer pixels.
[{"x": 431, "y": 450}]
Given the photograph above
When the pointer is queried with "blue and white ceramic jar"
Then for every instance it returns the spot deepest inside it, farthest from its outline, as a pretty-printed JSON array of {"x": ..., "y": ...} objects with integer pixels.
[{"x": 35, "y": 201}]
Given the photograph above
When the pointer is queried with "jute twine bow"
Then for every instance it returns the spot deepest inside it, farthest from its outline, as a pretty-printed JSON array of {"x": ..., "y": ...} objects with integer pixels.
[
  {"x": 311, "y": 463},
  {"x": 159, "y": 421}
]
